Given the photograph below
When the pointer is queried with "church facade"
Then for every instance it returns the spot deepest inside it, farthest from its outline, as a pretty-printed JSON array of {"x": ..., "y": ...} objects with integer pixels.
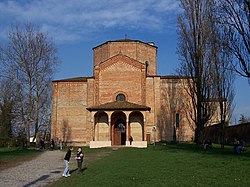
[{"x": 124, "y": 98}]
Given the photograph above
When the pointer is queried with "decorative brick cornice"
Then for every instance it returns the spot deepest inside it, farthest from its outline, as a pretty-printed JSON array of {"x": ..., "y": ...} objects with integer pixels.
[{"x": 127, "y": 40}]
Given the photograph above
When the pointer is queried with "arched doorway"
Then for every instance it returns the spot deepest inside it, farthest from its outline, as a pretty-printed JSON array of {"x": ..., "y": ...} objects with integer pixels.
[
  {"x": 119, "y": 128},
  {"x": 120, "y": 132}
]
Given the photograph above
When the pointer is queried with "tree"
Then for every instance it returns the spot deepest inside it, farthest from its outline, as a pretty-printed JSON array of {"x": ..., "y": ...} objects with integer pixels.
[
  {"x": 195, "y": 28},
  {"x": 223, "y": 78},
  {"x": 235, "y": 18},
  {"x": 29, "y": 60},
  {"x": 244, "y": 119},
  {"x": 7, "y": 100}
]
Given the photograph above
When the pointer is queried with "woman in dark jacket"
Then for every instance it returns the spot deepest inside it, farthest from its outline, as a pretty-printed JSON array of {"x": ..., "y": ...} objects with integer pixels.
[{"x": 66, "y": 161}]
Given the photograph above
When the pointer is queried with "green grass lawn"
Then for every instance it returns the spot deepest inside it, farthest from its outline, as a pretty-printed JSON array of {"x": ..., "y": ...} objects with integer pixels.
[
  {"x": 10, "y": 157},
  {"x": 162, "y": 165}
]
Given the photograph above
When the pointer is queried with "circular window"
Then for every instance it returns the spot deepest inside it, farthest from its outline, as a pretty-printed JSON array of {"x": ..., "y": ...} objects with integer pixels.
[{"x": 120, "y": 97}]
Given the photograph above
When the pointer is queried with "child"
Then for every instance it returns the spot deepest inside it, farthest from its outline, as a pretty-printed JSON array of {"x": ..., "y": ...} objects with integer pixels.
[
  {"x": 66, "y": 161},
  {"x": 79, "y": 159}
]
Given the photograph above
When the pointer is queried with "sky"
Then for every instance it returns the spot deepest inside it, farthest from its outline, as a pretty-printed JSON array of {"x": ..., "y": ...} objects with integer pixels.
[{"x": 76, "y": 26}]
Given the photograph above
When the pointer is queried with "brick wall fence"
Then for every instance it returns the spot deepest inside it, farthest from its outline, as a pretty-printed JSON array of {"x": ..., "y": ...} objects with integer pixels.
[{"x": 241, "y": 131}]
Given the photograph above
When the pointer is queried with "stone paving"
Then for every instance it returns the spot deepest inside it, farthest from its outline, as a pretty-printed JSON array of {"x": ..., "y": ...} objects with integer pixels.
[{"x": 42, "y": 171}]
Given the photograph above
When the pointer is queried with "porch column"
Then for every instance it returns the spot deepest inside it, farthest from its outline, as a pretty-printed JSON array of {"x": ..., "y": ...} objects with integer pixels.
[
  {"x": 128, "y": 133},
  {"x": 110, "y": 129},
  {"x": 93, "y": 122},
  {"x": 143, "y": 127},
  {"x": 127, "y": 130},
  {"x": 110, "y": 125}
]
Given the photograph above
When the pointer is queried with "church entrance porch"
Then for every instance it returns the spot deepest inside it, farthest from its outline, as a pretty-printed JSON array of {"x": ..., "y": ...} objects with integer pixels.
[{"x": 112, "y": 126}]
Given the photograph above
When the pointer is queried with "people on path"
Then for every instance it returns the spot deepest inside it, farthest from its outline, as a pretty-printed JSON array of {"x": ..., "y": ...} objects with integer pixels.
[
  {"x": 79, "y": 159},
  {"x": 52, "y": 144},
  {"x": 66, "y": 161},
  {"x": 60, "y": 144},
  {"x": 42, "y": 144},
  {"x": 41, "y": 170}
]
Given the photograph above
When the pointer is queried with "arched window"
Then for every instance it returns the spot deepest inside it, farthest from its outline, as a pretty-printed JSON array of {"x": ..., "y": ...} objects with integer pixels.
[{"x": 120, "y": 97}]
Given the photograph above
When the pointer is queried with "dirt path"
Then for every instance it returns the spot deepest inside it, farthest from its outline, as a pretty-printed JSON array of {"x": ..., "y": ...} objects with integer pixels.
[{"x": 40, "y": 171}]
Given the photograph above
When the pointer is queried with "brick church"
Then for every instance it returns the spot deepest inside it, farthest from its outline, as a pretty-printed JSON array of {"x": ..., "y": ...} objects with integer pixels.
[{"x": 124, "y": 98}]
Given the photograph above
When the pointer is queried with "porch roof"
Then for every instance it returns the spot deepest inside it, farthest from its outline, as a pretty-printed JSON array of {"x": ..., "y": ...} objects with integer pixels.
[{"x": 119, "y": 105}]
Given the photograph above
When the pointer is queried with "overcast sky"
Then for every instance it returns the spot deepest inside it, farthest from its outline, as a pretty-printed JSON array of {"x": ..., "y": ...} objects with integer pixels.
[{"x": 77, "y": 26}]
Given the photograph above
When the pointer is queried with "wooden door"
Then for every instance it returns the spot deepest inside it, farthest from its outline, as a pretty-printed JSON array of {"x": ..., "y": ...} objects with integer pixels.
[
  {"x": 148, "y": 138},
  {"x": 117, "y": 139}
]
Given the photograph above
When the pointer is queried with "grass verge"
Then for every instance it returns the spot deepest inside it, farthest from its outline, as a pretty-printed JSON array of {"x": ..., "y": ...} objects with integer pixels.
[
  {"x": 162, "y": 165},
  {"x": 10, "y": 157}
]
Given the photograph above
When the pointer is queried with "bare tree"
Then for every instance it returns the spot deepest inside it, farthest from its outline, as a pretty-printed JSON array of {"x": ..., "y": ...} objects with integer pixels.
[
  {"x": 235, "y": 18},
  {"x": 194, "y": 49},
  {"x": 7, "y": 102},
  {"x": 244, "y": 119},
  {"x": 29, "y": 60},
  {"x": 223, "y": 78}
]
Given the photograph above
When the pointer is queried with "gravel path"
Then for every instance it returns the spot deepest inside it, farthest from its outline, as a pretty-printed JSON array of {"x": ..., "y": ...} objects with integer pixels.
[{"x": 41, "y": 171}]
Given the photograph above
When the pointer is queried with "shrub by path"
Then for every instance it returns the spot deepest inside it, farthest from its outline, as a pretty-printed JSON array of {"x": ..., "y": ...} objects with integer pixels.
[{"x": 41, "y": 171}]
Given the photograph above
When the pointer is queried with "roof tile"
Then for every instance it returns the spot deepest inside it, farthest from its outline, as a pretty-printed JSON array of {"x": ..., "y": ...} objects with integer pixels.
[{"x": 119, "y": 105}]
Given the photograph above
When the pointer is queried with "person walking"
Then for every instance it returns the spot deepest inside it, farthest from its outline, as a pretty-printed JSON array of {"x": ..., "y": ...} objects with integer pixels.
[
  {"x": 131, "y": 140},
  {"x": 60, "y": 144},
  {"x": 42, "y": 144},
  {"x": 79, "y": 159},
  {"x": 52, "y": 144},
  {"x": 66, "y": 161}
]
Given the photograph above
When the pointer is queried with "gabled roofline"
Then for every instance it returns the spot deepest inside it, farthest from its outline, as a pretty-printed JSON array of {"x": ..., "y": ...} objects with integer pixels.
[
  {"x": 127, "y": 40},
  {"x": 74, "y": 79},
  {"x": 122, "y": 55}
]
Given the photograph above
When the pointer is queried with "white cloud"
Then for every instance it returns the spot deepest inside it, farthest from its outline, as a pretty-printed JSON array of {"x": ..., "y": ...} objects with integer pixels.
[{"x": 72, "y": 20}]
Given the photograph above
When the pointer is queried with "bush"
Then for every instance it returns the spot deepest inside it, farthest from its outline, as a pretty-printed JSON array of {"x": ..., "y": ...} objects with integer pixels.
[
  {"x": 12, "y": 142},
  {"x": 6, "y": 142}
]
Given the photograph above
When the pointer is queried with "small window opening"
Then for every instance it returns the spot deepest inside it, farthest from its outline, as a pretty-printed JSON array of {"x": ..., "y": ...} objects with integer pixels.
[{"x": 120, "y": 97}]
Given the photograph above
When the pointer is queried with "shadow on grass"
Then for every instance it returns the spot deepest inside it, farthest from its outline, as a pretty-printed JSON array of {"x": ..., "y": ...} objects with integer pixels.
[
  {"x": 191, "y": 147},
  {"x": 76, "y": 169},
  {"x": 44, "y": 177}
]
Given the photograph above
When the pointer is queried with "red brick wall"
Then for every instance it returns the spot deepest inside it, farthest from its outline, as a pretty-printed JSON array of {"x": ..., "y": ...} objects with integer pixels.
[
  {"x": 121, "y": 74},
  {"x": 174, "y": 99},
  {"x": 139, "y": 51},
  {"x": 241, "y": 131},
  {"x": 69, "y": 114}
]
